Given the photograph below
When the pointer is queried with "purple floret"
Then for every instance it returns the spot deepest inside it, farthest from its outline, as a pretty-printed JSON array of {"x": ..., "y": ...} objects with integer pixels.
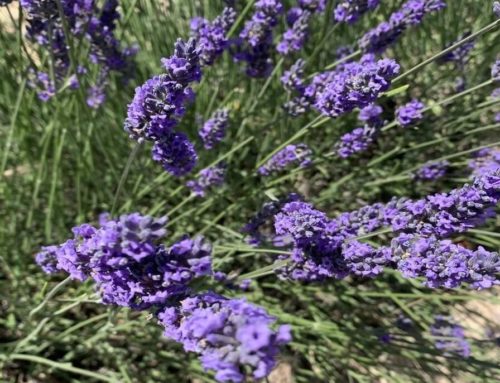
[
  {"x": 292, "y": 154},
  {"x": 175, "y": 153},
  {"x": 208, "y": 178},
  {"x": 231, "y": 336},
  {"x": 496, "y": 8},
  {"x": 410, "y": 113},
  {"x": 349, "y": 11},
  {"x": 214, "y": 129},
  {"x": 47, "y": 259}
]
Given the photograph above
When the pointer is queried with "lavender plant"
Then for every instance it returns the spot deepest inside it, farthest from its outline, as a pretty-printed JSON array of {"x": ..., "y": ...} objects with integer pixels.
[{"x": 329, "y": 170}]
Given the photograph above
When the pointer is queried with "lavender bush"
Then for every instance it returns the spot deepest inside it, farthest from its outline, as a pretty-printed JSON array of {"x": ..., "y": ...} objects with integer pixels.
[{"x": 261, "y": 191}]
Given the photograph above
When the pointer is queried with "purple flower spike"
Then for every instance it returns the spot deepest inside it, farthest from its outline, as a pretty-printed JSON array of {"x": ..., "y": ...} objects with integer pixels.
[
  {"x": 294, "y": 38},
  {"x": 84, "y": 20},
  {"x": 444, "y": 264},
  {"x": 449, "y": 213},
  {"x": 231, "y": 336},
  {"x": 292, "y": 154},
  {"x": 208, "y": 178},
  {"x": 355, "y": 85},
  {"x": 349, "y": 11},
  {"x": 459, "y": 55},
  {"x": 211, "y": 36},
  {"x": 496, "y": 8},
  {"x": 486, "y": 161},
  {"x": 410, "y": 114},
  {"x": 175, "y": 153},
  {"x": 255, "y": 41},
  {"x": 156, "y": 108},
  {"x": 293, "y": 79},
  {"x": 214, "y": 129},
  {"x": 356, "y": 141},
  {"x": 495, "y": 70},
  {"x": 450, "y": 337},
  {"x": 387, "y": 33},
  {"x": 432, "y": 171}
]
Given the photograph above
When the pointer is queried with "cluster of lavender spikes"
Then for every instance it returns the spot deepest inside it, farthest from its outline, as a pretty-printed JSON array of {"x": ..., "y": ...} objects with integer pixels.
[
  {"x": 298, "y": 19},
  {"x": 130, "y": 268},
  {"x": 159, "y": 104},
  {"x": 351, "y": 85},
  {"x": 299, "y": 154},
  {"x": 255, "y": 41},
  {"x": 84, "y": 19},
  {"x": 349, "y": 11},
  {"x": 387, "y": 33},
  {"x": 325, "y": 248}
]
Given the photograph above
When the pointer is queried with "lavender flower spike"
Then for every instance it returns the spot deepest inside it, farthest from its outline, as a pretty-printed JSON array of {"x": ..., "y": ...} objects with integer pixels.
[
  {"x": 208, "y": 178},
  {"x": 444, "y": 264},
  {"x": 410, "y": 113},
  {"x": 349, "y": 11},
  {"x": 214, "y": 129},
  {"x": 451, "y": 338},
  {"x": 432, "y": 171},
  {"x": 231, "y": 336},
  {"x": 297, "y": 154},
  {"x": 211, "y": 36},
  {"x": 496, "y": 8},
  {"x": 388, "y": 32},
  {"x": 356, "y": 85},
  {"x": 175, "y": 153}
]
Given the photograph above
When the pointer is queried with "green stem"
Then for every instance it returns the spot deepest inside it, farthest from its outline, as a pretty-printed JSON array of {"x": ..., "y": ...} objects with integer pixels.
[
  {"x": 12, "y": 126},
  {"x": 276, "y": 68},
  {"x": 63, "y": 366},
  {"x": 338, "y": 62},
  {"x": 49, "y": 296},
  {"x": 320, "y": 120},
  {"x": 240, "y": 18},
  {"x": 125, "y": 172},
  {"x": 471, "y": 37},
  {"x": 267, "y": 270},
  {"x": 445, "y": 101}
]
